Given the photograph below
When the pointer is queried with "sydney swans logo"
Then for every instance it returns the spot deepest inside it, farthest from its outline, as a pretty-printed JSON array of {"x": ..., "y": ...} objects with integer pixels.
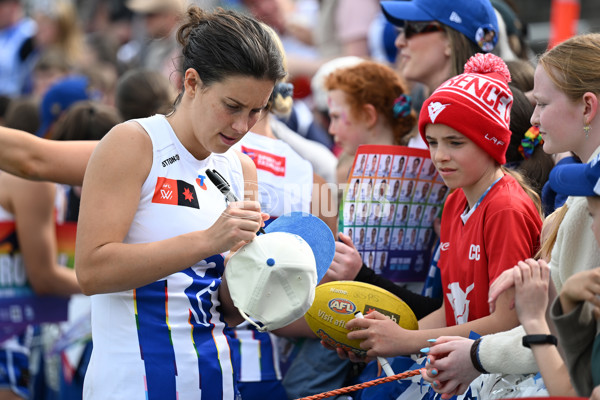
[{"x": 434, "y": 109}]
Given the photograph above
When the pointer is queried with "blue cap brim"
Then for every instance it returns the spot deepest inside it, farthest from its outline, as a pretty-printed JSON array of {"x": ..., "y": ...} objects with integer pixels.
[
  {"x": 314, "y": 231},
  {"x": 399, "y": 11},
  {"x": 573, "y": 180}
]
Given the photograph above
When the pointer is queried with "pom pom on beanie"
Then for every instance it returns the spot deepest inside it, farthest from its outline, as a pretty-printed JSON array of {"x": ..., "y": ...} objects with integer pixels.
[
  {"x": 485, "y": 64},
  {"x": 476, "y": 103}
]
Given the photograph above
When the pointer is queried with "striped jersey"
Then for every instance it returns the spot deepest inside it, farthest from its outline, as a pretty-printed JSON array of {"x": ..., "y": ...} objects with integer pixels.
[{"x": 165, "y": 340}]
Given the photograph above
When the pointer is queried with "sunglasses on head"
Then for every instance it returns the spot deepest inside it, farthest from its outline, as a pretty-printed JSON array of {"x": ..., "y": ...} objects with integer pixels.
[{"x": 412, "y": 28}]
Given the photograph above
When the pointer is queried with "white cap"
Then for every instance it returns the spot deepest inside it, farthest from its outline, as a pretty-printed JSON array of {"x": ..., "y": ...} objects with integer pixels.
[
  {"x": 317, "y": 83},
  {"x": 272, "y": 279}
]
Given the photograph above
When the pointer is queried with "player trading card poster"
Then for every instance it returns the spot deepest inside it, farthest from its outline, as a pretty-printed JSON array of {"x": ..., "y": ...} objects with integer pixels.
[{"x": 393, "y": 195}]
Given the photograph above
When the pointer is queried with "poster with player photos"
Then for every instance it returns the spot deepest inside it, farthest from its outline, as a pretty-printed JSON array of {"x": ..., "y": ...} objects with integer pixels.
[{"x": 393, "y": 195}]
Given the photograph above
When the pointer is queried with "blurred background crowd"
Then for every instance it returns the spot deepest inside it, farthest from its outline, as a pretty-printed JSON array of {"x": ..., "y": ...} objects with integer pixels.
[{"x": 43, "y": 41}]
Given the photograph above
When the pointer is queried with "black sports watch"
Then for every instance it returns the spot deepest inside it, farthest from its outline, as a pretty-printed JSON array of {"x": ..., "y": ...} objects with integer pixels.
[{"x": 528, "y": 340}]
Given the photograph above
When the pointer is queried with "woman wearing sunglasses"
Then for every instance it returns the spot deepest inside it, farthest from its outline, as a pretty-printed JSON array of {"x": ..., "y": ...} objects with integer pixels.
[{"x": 438, "y": 37}]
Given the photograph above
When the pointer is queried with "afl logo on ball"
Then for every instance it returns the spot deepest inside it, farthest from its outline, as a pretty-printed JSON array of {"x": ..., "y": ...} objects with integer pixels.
[{"x": 342, "y": 306}]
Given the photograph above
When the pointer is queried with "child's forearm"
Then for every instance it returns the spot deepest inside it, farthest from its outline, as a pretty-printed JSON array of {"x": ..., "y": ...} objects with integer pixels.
[{"x": 552, "y": 366}]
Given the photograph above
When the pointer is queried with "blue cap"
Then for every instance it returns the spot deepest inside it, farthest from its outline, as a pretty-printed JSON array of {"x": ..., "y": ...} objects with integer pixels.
[
  {"x": 59, "y": 97},
  {"x": 472, "y": 18},
  {"x": 577, "y": 179},
  {"x": 314, "y": 231}
]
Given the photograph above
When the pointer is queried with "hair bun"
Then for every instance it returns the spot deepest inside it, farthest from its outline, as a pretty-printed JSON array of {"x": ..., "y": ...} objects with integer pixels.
[{"x": 487, "y": 63}]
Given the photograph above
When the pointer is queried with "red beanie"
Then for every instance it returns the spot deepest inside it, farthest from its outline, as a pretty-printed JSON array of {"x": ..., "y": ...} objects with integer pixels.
[{"x": 476, "y": 104}]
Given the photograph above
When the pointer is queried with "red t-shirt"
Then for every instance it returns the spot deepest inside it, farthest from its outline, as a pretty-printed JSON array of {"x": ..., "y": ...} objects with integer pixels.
[{"x": 503, "y": 229}]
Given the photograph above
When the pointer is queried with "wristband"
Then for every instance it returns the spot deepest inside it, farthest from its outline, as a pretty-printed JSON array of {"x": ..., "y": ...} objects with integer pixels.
[
  {"x": 475, "y": 357},
  {"x": 528, "y": 340}
]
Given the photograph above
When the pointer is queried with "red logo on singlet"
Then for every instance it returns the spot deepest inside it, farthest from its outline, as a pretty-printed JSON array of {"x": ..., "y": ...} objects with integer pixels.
[
  {"x": 266, "y": 161},
  {"x": 175, "y": 192}
]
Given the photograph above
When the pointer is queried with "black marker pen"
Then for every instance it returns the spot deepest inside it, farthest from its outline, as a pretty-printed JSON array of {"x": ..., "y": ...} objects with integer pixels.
[{"x": 217, "y": 179}]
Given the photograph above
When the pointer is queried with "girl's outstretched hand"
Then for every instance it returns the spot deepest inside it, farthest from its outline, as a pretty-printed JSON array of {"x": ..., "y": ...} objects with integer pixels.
[
  {"x": 378, "y": 334},
  {"x": 531, "y": 278},
  {"x": 502, "y": 283},
  {"x": 449, "y": 369}
]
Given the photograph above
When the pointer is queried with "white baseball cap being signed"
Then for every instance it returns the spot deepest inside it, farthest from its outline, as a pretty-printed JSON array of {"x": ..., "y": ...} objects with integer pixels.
[{"x": 272, "y": 279}]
